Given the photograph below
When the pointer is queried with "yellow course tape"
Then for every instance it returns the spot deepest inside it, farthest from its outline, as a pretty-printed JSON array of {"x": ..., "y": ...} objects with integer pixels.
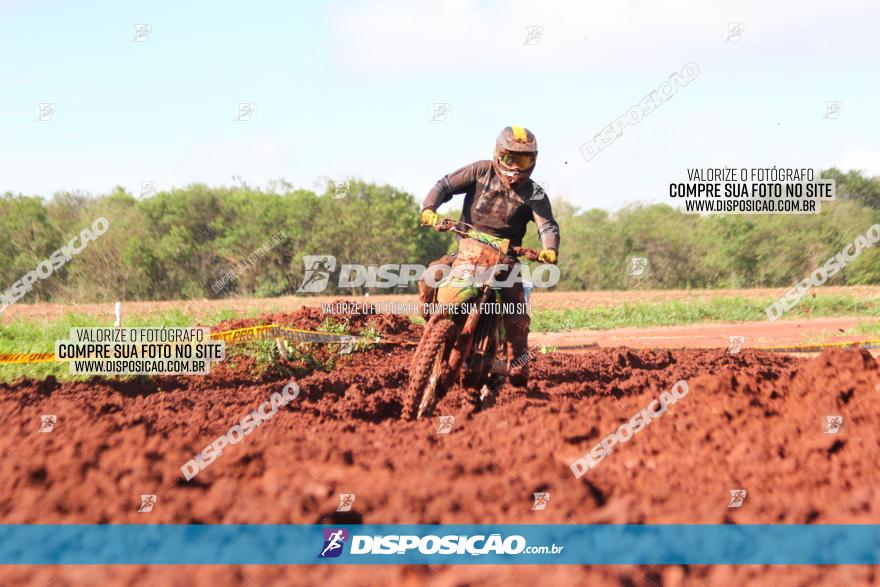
[
  {"x": 240, "y": 335},
  {"x": 237, "y": 336},
  {"x": 322, "y": 337},
  {"x": 25, "y": 358},
  {"x": 806, "y": 348},
  {"x": 271, "y": 331}
]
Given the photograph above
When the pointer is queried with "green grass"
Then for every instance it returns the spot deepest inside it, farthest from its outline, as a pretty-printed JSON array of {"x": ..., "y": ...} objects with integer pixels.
[
  {"x": 869, "y": 329},
  {"x": 20, "y": 336},
  {"x": 733, "y": 309}
]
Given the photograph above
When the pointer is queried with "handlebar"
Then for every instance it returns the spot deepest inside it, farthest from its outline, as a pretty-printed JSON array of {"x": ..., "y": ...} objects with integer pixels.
[{"x": 449, "y": 225}]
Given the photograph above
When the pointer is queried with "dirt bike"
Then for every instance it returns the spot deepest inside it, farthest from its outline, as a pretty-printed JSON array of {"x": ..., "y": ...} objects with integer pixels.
[{"x": 466, "y": 338}]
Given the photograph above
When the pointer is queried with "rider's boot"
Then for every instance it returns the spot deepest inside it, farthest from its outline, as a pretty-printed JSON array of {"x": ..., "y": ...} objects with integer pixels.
[
  {"x": 516, "y": 327},
  {"x": 519, "y": 375},
  {"x": 517, "y": 330}
]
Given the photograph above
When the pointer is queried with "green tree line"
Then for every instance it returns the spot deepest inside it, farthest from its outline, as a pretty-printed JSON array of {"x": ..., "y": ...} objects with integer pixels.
[{"x": 176, "y": 244}]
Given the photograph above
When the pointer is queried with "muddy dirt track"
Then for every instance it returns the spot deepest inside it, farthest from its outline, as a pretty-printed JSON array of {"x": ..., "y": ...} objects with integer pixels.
[{"x": 750, "y": 421}]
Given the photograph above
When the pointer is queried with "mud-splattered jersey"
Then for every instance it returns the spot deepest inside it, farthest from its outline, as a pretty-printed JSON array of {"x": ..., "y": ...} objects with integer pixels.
[{"x": 493, "y": 207}]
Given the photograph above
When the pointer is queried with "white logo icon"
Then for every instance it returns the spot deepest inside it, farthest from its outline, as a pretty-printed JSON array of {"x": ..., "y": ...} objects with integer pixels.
[
  {"x": 735, "y": 32},
  {"x": 148, "y": 188},
  {"x": 346, "y": 501},
  {"x": 832, "y": 109},
  {"x": 317, "y": 275},
  {"x": 45, "y": 112},
  {"x": 141, "y": 32},
  {"x": 736, "y": 344},
  {"x": 541, "y": 501},
  {"x": 539, "y": 190},
  {"x": 737, "y": 497},
  {"x": 147, "y": 503},
  {"x": 833, "y": 424},
  {"x": 446, "y": 423},
  {"x": 439, "y": 112},
  {"x": 245, "y": 112},
  {"x": 341, "y": 190},
  {"x": 638, "y": 266},
  {"x": 47, "y": 423},
  {"x": 533, "y": 35},
  {"x": 346, "y": 344}
]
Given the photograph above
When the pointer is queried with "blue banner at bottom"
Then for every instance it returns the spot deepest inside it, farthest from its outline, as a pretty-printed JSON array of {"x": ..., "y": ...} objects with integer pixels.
[{"x": 455, "y": 544}]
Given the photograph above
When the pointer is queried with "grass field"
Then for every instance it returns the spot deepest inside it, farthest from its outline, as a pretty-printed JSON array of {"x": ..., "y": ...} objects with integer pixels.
[
  {"x": 207, "y": 310},
  {"x": 715, "y": 309}
]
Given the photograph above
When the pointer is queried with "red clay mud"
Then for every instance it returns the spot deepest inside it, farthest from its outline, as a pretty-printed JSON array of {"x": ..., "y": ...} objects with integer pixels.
[{"x": 750, "y": 421}]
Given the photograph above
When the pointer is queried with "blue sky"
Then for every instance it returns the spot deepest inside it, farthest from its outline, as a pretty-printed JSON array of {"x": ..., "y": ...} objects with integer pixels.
[{"x": 347, "y": 88}]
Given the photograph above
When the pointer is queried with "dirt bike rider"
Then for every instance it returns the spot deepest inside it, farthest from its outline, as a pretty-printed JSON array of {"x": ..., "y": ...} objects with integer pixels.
[{"x": 500, "y": 199}]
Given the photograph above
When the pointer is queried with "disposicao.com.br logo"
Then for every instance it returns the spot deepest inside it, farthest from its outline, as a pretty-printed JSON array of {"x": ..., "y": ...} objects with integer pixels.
[
  {"x": 334, "y": 541},
  {"x": 451, "y": 544},
  {"x": 320, "y": 268}
]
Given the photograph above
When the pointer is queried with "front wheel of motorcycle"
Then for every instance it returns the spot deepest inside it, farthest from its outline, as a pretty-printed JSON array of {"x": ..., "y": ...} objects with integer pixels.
[{"x": 424, "y": 389}]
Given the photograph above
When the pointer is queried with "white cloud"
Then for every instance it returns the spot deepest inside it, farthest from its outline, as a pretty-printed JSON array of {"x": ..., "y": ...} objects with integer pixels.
[
  {"x": 396, "y": 35},
  {"x": 863, "y": 157}
]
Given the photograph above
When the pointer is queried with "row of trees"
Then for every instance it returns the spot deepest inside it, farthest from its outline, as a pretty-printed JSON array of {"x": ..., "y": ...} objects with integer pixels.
[{"x": 176, "y": 244}]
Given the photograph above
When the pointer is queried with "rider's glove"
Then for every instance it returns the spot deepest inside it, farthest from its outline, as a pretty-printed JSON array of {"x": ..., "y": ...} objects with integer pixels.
[
  {"x": 547, "y": 256},
  {"x": 429, "y": 217}
]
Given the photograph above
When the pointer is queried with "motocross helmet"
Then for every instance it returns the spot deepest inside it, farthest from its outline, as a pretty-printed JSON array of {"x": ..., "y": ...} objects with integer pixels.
[{"x": 516, "y": 152}]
